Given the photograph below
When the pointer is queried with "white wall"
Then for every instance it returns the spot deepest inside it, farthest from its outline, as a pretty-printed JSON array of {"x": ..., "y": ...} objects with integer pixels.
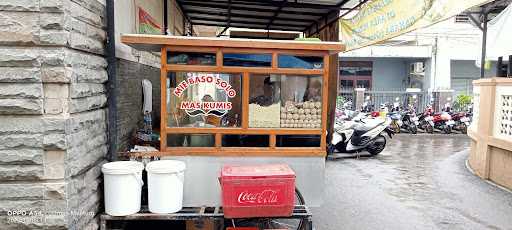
[
  {"x": 126, "y": 21},
  {"x": 390, "y": 73},
  {"x": 463, "y": 72}
]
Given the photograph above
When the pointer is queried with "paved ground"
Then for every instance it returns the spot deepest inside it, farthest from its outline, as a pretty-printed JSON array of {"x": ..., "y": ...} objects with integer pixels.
[{"x": 418, "y": 182}]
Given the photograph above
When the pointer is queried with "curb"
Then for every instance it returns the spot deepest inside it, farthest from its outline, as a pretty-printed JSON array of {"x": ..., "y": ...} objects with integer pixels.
[{"x": 487, "y": 181}]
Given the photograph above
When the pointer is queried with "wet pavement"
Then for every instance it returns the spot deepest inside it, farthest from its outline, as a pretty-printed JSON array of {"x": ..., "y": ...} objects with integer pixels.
[{"x": 418, "y": 182}]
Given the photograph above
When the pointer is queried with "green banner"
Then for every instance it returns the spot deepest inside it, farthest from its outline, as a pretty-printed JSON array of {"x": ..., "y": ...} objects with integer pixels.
[{"x": 379, "y": 20}]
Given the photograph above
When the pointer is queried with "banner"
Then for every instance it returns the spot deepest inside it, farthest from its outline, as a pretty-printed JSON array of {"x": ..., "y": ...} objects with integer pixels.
[
  {"x": 379, "y": 20},
  {"x": 147, "y": 24}
]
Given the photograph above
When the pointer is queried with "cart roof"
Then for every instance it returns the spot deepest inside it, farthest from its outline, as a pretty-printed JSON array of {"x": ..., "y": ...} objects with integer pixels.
[{"x": 154, "y": 43}]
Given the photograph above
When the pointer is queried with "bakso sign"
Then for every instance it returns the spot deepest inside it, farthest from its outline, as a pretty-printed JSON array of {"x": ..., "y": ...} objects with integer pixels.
[{"x": 206, "y": 106}]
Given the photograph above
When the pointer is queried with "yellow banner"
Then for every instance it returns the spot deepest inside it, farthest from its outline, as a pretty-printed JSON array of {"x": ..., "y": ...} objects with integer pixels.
[{"x": 379, "y": 20}]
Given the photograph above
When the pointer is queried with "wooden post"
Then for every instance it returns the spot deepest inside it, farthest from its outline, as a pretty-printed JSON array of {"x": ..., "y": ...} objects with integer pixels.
[
  {"x": 163, "y": 99},
  {"x": 331, "y": 33}
]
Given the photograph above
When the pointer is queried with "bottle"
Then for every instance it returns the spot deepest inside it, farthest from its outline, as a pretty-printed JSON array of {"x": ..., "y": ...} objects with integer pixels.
[
  {"x": 148, "y": 126},
  {"x": 235, "y": 121}
]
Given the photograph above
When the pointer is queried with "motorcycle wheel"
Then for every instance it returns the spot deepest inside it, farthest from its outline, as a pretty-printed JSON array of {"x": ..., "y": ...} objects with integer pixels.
[
  {"x": 463, "y": 129},
  {"x": 378, "y": 145},
  {"x": 413, "y": 129},
  {"x": 447, "y": 129},
  {"x": 429, "y": 129}
]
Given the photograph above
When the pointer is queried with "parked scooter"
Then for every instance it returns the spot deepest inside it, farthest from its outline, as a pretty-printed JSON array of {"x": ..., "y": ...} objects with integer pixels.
[
  {"x": 367, "y": 106},
  {"x": 443, "y": 121},
  {"x": 396, "y": 117},
  {"x": 461, "y": 122},
  {"x": 410, "y": 121},
  {"x": 396, "y": 121},
  {"x": 360, "y": 134},
  {"x": 426, "y": 120}
]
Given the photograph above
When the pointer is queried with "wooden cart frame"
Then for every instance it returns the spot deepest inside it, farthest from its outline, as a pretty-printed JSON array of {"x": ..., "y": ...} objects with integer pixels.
[{"x": 219, "y": 46}]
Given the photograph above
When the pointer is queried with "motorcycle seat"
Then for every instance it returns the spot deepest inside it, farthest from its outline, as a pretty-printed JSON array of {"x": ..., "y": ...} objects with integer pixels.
[{"x": 367, "y": 125}]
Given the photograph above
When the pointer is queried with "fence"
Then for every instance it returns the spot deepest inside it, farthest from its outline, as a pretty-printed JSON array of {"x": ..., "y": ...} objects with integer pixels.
[
  {"x": 346, "y": 98},
  {"x": 349, "y": 98},
  {"x": 419, "y": 100}
]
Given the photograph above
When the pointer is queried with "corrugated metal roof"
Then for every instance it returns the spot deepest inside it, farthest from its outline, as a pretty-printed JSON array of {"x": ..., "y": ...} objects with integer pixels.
[{"x": 287, "y": 15}]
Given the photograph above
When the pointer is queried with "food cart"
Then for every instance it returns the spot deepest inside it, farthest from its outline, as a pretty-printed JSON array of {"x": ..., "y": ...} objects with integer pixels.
[{"x": 240, "y": 101}]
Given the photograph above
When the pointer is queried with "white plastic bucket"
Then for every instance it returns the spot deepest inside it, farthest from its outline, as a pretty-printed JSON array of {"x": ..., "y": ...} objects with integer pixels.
[
  {"x": 165, "y": 186},
  {"x": 123, "y": 185}
]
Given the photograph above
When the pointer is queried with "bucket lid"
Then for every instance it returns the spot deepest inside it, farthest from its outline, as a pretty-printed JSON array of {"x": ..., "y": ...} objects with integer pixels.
[
  {"x": 166, "y": 166},
  {"x": 122, "y": 167},
  {"x": 257, "y": 171}
]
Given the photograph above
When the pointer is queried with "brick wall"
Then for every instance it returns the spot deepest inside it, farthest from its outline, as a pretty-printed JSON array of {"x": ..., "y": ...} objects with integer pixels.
[
  {"x": 130, "y": 99},
  {"x": 53, "y": 135}
]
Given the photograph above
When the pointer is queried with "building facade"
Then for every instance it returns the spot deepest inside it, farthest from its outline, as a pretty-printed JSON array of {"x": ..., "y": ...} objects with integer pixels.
[{"x": 439, "y": 57}]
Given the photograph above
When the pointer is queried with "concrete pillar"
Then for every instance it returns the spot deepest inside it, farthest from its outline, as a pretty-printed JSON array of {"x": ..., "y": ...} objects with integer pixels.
[
  {"x": 359, "y": 99},
  {"x": 438, "y": 68},
  {"x": 52, "y": 113},
  {"x": 480, "y": 158}
]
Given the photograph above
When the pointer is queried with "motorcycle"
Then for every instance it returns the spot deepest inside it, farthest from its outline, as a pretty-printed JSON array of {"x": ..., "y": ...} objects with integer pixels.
[
  {"x": 367, "y": 106},
  {"x": 461, "y": 122},
  {"x": 410, "y": 121},
  {"x": 396, "y": 117},
  {"x": 443, "y": 121},
  {"x": 361, "y": 133},
  {"x": 396, "y": 121},
  {"x": 426, "y": 120}
]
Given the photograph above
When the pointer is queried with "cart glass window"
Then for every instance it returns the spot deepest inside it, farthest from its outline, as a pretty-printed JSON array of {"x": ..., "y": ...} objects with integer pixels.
[
  {"x": 300, "y": 62},
  {"x": 285, "y": 101},
  {"x": 247, "y": 60},
  {"x": 204, "y": 100},
  {"x": 190, "y": 140},
  {"x": 191, "y": 58}
]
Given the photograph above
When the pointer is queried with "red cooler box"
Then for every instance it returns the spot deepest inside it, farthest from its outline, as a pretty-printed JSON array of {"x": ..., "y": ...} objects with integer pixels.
[{"x": 257, "y": 191}]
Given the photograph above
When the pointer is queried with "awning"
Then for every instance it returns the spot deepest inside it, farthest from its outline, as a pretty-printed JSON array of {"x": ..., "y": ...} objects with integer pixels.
[{"x": 264, "y": 14}]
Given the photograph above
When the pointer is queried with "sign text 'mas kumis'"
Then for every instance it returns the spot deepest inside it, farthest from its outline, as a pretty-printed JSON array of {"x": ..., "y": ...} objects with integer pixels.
[
  {"x": 198, "y": 78},
  {"x": 215, "y": 105}
]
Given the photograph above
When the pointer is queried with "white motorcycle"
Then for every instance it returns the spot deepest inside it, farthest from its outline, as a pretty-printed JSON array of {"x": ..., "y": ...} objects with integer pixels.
[{"x": 360, "y": 134}]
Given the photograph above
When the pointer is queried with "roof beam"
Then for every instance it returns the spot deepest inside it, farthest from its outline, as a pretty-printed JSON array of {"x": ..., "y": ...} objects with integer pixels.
[
  {"x": 272, "y": 3},
  {"x": 229, "y": 20},
  {"x": 248, "y": 25},
  {"x": 361, "y": 2},
  {"x": 186, "y": 4},
  {"x": 199, "y": 11},
  {"x": 276, "y": 12},
  {"x": 244, "y": 22}
]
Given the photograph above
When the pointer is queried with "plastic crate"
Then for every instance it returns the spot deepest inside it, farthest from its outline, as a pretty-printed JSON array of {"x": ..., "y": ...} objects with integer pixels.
[{"x": 258, "y": 191}]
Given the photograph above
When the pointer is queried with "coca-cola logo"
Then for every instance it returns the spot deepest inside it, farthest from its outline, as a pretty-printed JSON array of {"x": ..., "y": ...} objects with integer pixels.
[{"x": 264, "y": 197}]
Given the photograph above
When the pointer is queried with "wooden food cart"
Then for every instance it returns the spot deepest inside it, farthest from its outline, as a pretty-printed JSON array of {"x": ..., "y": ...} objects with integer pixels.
[
  {"x": 240, "y": 101},
  {"x": 238, "y": 70}
]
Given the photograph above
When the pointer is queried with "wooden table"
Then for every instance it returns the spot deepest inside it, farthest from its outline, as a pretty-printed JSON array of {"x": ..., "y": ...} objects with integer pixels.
[{"x": 196, "y": 213}]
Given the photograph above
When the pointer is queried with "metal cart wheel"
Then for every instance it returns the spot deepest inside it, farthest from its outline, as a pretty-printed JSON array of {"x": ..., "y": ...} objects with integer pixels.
[{"x": 275, "y": 223}]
